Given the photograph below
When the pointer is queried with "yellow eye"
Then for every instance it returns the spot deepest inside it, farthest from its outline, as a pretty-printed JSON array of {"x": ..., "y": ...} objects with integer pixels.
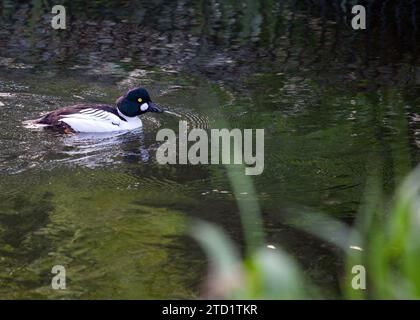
[{"x": 139, "y": 99}]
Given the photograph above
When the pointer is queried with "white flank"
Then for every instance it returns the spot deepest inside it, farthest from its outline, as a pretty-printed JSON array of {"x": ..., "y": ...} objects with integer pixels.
[{"x": 94, "y": 120}]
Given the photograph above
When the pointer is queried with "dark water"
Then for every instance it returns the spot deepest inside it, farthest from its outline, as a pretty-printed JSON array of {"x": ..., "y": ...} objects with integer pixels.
[{"x": 334, "y": 103}]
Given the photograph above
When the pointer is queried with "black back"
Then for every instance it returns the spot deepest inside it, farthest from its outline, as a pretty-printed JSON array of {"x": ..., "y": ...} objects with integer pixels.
[{"x": 53, "y": 118}]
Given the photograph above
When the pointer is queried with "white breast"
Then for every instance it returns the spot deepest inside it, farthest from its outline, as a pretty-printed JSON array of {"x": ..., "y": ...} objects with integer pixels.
[{"x": 95, "y": 120}]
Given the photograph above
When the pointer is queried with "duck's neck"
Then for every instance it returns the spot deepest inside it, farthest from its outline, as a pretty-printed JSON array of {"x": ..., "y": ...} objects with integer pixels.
[
  {"x": 130, "y": 122},
  {"x": 126, "y": 118}
]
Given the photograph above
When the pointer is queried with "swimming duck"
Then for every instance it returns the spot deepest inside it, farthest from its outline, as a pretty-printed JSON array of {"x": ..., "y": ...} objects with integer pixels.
[{"x": 102, "y": 118}]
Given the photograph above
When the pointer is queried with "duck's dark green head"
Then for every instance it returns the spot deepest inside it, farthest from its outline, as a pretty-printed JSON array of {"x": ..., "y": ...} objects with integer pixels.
[{"x": 136, "y": 102}]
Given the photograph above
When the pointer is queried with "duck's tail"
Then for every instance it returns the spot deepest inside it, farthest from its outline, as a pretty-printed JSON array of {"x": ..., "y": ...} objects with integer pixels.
[{"x": 34, "y": 124}]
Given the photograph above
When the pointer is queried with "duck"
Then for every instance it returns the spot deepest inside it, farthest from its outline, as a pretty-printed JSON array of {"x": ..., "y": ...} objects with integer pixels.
[{"x": 100, "y": 118}]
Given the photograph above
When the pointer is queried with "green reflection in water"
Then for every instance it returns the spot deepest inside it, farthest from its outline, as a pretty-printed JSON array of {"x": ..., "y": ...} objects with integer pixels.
[
  {"x": 119, "y": 227},
  {"x": 111, "y": 244},
  {"x": 334, "y": 104}
]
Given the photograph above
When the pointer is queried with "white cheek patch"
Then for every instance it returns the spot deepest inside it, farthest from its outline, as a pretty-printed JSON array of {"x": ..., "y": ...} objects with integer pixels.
[{"x": 144, "y": 107}]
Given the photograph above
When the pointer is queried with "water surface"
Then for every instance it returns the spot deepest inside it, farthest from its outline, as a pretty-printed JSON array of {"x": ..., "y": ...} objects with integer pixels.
[{"x": 333, "y": 104}]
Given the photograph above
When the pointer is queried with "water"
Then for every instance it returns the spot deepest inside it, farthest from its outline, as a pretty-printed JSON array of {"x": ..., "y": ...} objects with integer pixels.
[{"x": 333, "y": 105}]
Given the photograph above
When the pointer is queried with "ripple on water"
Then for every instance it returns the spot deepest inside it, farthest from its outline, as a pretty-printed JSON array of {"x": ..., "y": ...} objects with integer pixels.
[{"x": 194, "y": 119}]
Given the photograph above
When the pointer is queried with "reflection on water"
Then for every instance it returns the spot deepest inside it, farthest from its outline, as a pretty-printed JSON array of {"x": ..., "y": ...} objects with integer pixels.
[
  {"x": 100, "y": 230},
  {"x": 333, "y": 104},
  {"x": 93, "y": 150}
]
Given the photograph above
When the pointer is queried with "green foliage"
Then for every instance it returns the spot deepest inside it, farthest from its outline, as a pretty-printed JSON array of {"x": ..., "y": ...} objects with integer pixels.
[
  {"x": 391, "y": 240},
  {"x": 385, "y": 240},
  {"x": 264, "y": 274}
]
